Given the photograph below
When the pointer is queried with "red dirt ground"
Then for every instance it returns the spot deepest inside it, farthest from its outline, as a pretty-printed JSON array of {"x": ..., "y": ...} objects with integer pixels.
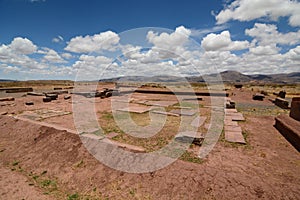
[{"x": 31, "y": 156}]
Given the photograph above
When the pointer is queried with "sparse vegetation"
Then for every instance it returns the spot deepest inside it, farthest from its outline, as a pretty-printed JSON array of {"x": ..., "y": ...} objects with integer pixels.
[
  {"x": 190, "y": 157},
  {"x": 73, "y": 196}
]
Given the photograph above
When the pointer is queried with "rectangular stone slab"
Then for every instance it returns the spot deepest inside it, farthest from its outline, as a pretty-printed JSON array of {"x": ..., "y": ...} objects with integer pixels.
[
  {"x": 92, "y": 136},
  {"x": 231, "y": 111},
  {"x": 182, "y": 107},
  {"x": 235, "y": 116},
  {"x": 183, "y": 112},
  {"x": 42, "y": 114},
  {"x": 165, "y": 113},
  {"x": 7, "y": 99},
  {"x": 160, "y": 103},
  {"x": 140, "y": 101},
  {"x": 234, "y": 136},
  {"x": 135, "y": 109},
  {"x": 189, "y": 137},
  {"x": 289, "y": 128},
  {"x": 198, "y": 121},
  {"x": 230, "y": 123},
  {"x": 233, "y": 128}
]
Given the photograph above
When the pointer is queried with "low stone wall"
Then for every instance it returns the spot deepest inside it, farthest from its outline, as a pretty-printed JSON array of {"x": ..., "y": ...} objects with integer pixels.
[
  {"x": 295, "y": 108},
  {"x": 282, "y": 103},
  {"x": 289, "y": 128},
  {"x": 16, "y": 90}
]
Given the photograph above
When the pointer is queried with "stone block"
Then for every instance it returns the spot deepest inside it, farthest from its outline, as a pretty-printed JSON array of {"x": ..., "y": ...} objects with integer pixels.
[
  {"x": 282, "y": 103},
  {"x": 289, "y": 128},
  {"x": 259, "y": 97},
  {"x": 7, "y": 99},
  {"x": 295, "y": 108}
]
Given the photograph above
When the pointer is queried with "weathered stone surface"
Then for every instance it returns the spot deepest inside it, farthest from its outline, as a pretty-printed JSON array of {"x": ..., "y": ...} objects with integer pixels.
[
  {"x": 67, "y": 97},
  {"x": 193, "y": 99},
  {"x": 272, "y": 100},
  {"x": 198, "y": 121},
  {"x": 47, "y": 99},
  {"x": 35, "y": 94},
  {"x": 92, "y": 136},
  {"x": 108, "y": 94},
  {"x": 282, "y": 103},
  {"x": 24, "y": 118},
  {"x": 29, "y": 103},
  {"x": 231, "y": 123},
  {"x": 235, "y": 116},
  {"x": 183, "y": 112},
  {"x": 189, "y": 137},
  {"x": 233, "y": 128},
  {"x": 41, "y": 114},
  {"x": 68, "y": 88},
  {"x": 289, "y": 128},
  {"x": 231, "y": 111},
  {"x": 264, "y": 93},
  {"x": 295, "y": 108},
  {"x": 234, "y": 136},
  {"x": 7, "y": 99},
  {"x": 165, "y": 113},
  {"x": 52, "y": 96},
  {"x": 161, "y": 103},
  {"x": 258, "y": 96},
  {"x": 127, "y": 147},
  {"x": 182, "y": 107},
  {"x": 58, "y": 92},
  {"x": 140, "y": 101},
  {"x": 136, "y": 109},
  {"x": 10, "y": 103},
  {"x": 85, "y": 94},
  {"x": 282, "y": 94},
  {"x": 16, "y": 90},
  {"x": 3, "y": 113},
  {"x": 238, "y": 85},
  {"x": 230, "y": 105}
]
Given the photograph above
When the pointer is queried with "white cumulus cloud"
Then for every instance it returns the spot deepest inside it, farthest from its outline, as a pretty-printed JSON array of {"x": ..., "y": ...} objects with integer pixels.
[
  {"x": 22, "y": 46},
  {"x": 54, "y": 57},
  {"x": 222, "y": 41},
  {"x": 66, "y": 55},
  {"x": 267, "y": 34},
  {"x": 103, "y": 41},
  {"x": 294, "y": 54},
  {"x": 164, "y": 40},
  {"x": 247, "y": 10},
  {"x": 264, "y": 50}
]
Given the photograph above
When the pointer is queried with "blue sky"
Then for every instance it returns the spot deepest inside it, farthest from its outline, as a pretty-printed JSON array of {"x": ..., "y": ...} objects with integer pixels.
[{"x": 56, "y": 39}]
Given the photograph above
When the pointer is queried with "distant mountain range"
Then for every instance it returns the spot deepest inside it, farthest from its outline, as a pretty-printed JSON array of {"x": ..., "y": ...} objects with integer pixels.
[
  {"x": 227, "y": 76},
  {"x": 6, "y": 80}
]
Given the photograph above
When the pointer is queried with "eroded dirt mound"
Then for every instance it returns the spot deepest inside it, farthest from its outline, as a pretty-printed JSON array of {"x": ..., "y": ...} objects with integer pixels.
[{"x": 55, "y": 164}]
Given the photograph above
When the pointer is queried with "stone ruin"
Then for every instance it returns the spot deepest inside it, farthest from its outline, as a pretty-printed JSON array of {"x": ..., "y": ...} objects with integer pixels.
[
  {"x": 288, "y": 126},
  {"x": 282, "y": 103},
  {"x": 295, "y": 108},
  {"x": 258, "y": 96}
]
